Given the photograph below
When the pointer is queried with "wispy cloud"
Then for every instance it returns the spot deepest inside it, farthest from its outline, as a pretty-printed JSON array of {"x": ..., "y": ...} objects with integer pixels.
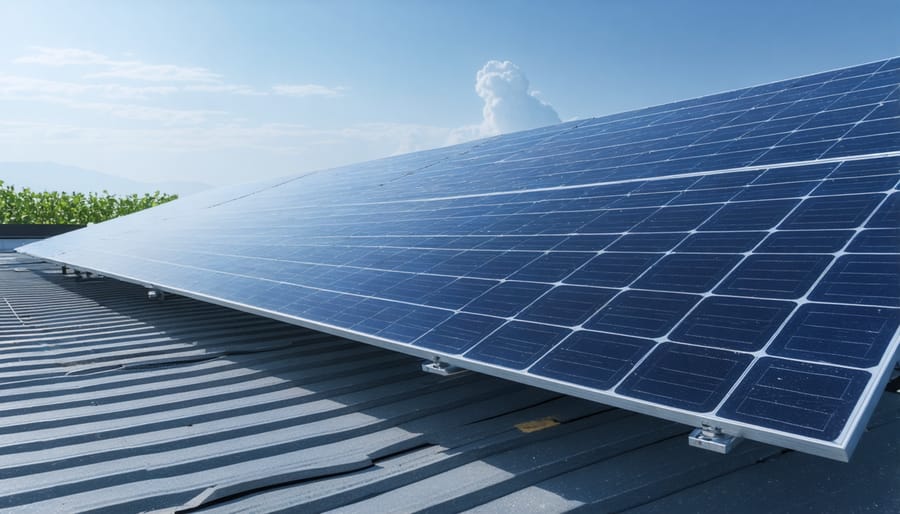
[
  {"x": 234, "y": 89},
  {"x": 62, "y": 57},
  {"x": 147, "y": 113},
  {"x": 304, "y": 90},
  {"x": 156, "y": 73},
  {"x": 114, "y": 68},
  {"x": 25, "y": 87}
]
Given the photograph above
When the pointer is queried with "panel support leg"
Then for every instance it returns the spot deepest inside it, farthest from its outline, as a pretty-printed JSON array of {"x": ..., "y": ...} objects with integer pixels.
[
  {"x": 713, "y": 439},
  {"x": 441, "y": 368}
]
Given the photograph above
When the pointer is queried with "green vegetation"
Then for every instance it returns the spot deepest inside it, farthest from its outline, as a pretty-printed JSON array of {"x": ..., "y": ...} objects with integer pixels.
[{"x": 27, "y": 206}]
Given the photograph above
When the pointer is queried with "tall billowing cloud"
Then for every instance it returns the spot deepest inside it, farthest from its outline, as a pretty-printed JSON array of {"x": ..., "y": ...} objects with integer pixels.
[{"x": 509, "y": 105}]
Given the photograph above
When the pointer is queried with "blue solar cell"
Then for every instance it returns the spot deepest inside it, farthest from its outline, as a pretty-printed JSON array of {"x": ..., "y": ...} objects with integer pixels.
[
  {"x": 729, "y": 160},
  {"x": 795, "y": 174},
  {"x": 774, "y": 276},
  {"x": 503, "y": 265},
  {"x": 721, "y": 242},
  {"x": 685, "y": 377},
  {"x": 647, "y": 242},
  {"x": 677, "y": 219},
  {"x": 845, "y": 186},
  {"x": 656, "y": 186},
  {"x": 866, "y": 167},
  {"x": 613, "y": 269},
  {"x": 815, "y": 135},
  {"x": 741, "y": 324},
  {"x": 453, "y": 295},
  {"x": 750, "y": 215},
  {"x": 792, "y": 153},
  {"x": 400, "y": 323},
  {"x": 888, "y": 110},
  {"x": 507, "y": 298},
  {"x": 864, "y": 145},
  {"x": 551, "y": 267},
  {"x": 643, "y": 200},
  {"x": 617, "y": 220},
  {"x": 714, "y": 196},
  {"x": 397, "y": 286},
  {"x": 876, "y": 241},
  {"x": 879, "y": 79},
  {"x": 517, "y": 345},
  {"x": 805, "y": 241},
  {"x": 643, "y": 313},
  {"x": 796, "y": 397},
  {"x": 726, "y": 180},
  {"x": 776, "y": 191},
  {"x": 586, "y": 242},
  {"x": 850, "y": 113},
  {"x": 888, "y": 215},
  {"x": 558, "y": 223},
  {"x": 568, "y": 305},
  {"x": 459, "y": 333},
  {"x": 725, "y": 134},
  {"x": 862, "y": 101},
  {"x": 874, "y": 127},
  {"x": 832, "y": 212},
  {"x": 689, "y": 273},
  {"x": 592, "y": 359},
  {"x": 847, "y": 335},
  {"x": 861, "y": 279}
]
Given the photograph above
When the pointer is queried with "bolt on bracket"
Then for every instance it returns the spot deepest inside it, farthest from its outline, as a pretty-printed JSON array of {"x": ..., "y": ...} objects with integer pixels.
[
  {"x": 713, "y": 439},
  {"x": 441, "y": 368}
]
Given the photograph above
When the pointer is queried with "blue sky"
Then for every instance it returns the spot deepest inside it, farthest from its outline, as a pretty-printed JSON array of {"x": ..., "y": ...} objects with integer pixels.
[{"x": 227, "y": 91}]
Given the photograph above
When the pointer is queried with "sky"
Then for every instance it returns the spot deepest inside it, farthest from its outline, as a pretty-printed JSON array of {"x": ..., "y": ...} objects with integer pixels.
[{"x": 222, "y": 92}]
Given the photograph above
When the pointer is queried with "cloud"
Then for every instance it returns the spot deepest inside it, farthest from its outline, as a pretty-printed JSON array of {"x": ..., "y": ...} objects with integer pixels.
[
  {"x": 201, "y": 144},
  {"x": 135, "y": 70},
  {"x": 509, "y": 105},
  {"x": 126, "y": 69},
  {"x": 234, "y": 89},
  {"x": 29, "y": 87},
  {"x": 62, "y": 57},
  {"x": 304, "y": 90},
  {"x": 147, "y": 113}
]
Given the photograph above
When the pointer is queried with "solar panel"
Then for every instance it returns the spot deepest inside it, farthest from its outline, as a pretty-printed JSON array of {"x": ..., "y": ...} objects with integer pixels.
[{"x": 729, "y": 261}]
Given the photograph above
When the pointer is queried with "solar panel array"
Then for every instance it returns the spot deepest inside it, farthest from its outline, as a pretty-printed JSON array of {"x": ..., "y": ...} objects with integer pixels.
[{"x": 729, "y": 260}]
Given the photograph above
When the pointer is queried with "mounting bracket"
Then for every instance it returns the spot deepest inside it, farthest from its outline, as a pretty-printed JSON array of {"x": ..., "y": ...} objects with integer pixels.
[
  {"x": 441, "y": 368},
  {"x": 713, "y": 439}
]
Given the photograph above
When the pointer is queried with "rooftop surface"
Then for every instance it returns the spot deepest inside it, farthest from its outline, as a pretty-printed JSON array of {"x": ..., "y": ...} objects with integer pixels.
[{"x": 115, "y": 403}]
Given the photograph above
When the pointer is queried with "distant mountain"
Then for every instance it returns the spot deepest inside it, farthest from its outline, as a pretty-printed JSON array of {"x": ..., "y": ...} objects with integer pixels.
[{"x": 50, "y": 176}]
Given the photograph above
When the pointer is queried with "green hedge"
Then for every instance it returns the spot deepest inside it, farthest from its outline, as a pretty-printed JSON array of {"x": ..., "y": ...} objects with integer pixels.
[{"x": 26, "y": 206}]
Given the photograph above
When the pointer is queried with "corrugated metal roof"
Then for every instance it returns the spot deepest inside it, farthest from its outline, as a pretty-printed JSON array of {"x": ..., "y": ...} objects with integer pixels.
[{"x": 116, "y": 403}]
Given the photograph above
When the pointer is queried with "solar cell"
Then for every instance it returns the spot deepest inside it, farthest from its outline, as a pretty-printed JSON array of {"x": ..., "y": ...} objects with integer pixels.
[
  {"x": 643, "y": 313},
  {"x": 798, "y": 397},
  {"x": 686, "y": 377},
  {"x": 805, "y": 241},
  {"x": 691, "y": 273},
  {"x": 593, "y": 359},
  {"x": 733, "y": 323},
  {"x": 846, "y": 335},
  {"x": 774, "y": 276},
  {"x": 731, "y": 260}
]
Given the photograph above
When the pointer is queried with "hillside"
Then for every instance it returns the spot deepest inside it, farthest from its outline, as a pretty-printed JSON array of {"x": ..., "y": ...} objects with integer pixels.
[{"x": 50, "y": 176}]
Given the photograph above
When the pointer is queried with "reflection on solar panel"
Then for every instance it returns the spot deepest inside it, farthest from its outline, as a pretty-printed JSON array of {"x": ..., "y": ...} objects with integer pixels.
[{"x": 730, "y": 260}]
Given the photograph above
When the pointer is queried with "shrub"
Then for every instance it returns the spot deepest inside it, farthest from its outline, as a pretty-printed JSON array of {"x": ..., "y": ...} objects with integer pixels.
[{"x": 37, "y": 207}]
